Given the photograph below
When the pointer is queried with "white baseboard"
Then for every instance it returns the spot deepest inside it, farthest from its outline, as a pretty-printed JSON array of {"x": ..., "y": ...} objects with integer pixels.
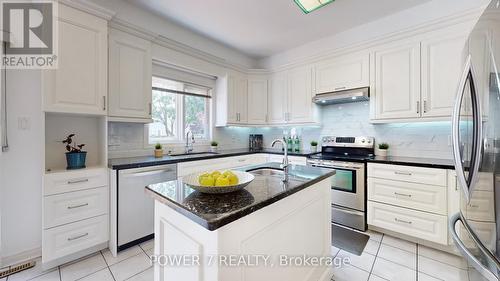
[{"x": 21, "y": 257}]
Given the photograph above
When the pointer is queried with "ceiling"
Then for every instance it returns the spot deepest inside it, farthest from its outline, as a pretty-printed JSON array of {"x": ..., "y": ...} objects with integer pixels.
[{"x": 260, "y": 28}]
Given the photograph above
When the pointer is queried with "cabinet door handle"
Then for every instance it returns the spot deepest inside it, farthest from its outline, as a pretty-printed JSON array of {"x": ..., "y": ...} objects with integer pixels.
[
  {"x": 242, "y": 160},
  {"x": 403, "y": 173},
  {"x": 77, "y": 181},
  {"x": 418, "y": 107},
  {"x": 402, "y": 221},
  {"x": 425, "y": 106},
  {"x": 402, "y": 194},
  {"x": 150, "y": 109},
  {"x": 77, "y": 206},
  {"x": 78, "y": 237},
  {"x": 339, "y": 88},
  {"x": 103, "y": 102}
]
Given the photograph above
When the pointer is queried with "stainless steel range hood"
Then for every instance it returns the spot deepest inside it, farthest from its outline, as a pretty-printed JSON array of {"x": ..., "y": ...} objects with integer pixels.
[{"x": 351, "y": 95}]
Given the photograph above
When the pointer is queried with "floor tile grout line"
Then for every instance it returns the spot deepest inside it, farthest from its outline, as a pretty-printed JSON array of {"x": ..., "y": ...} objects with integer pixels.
[
  {"x": 112, "y": 275},
  {"x": 442, "y": 261},
  {"x": 138, "y": 273}
]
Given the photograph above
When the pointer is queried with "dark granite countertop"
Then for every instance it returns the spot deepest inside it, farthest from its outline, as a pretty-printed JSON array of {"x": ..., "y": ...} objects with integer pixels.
[
  {"x": 146, "y": 161},
  {"x": 213, "y": 211},
  {"x": 414, "y": 161}
]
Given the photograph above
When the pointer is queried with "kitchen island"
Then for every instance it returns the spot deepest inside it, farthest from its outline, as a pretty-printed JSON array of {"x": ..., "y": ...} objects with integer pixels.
[{"x": 263, "y": 232}]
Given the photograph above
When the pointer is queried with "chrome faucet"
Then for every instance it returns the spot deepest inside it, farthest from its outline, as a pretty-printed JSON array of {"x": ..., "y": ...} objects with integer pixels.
[
  {"x": 189, "y": 144},
  {"x": 284, "y": 165}
]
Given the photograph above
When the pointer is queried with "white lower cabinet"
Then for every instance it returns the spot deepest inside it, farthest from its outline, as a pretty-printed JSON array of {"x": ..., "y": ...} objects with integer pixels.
[
  {"x": 412, "y": 201},
  {"x": 294, "y": 160},
  {"x": 410, "y": 222},
  {"x": 75, "y": 215},
  {"x": 71, "y": 238},
  {"x": 186, "y": 168}
]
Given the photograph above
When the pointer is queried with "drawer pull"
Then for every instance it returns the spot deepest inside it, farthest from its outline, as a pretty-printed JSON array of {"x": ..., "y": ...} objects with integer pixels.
[
  {"x": 78, "y": 237},
  {"x": 78, "y": 181},
  {"x": 403, "y": 173},
  {"x": 242, "y": 160},
  {"x": 339, "y": 88},
  {"x": 474, "y": 206},
  {"x": 402, "y": 194},
  {"x": 403, "y": 221},
  {"x": 78, "y": 206}
]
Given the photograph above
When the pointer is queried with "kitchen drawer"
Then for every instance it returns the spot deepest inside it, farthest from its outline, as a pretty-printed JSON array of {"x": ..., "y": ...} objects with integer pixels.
[
  {"x": 418, "y": 224},
  {"x": 423, "y": 197},
  {"x": 294, "y": 160},
  {"x": 186, "y": 168},
  {"x": 74, "y": 206},
  {"x": 408, "y": 173},
  {"x": 74, "y": 237},
  {"x": 481, "y": 206},
  {"x": 61, "y": 182}
]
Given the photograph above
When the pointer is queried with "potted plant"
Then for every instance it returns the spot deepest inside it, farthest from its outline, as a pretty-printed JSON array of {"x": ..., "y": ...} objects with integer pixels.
[
  {"x": 75, "y": 157},
  {"x": 382, "y": 149},
  {"x": 314, "y": 146},
  {"x": 158, "y": 150},
  {"x": 213, "y": 146}
]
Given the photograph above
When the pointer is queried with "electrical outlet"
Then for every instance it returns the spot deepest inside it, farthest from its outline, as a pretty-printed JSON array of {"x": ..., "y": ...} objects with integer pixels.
[{"x": 23, "y": 123}]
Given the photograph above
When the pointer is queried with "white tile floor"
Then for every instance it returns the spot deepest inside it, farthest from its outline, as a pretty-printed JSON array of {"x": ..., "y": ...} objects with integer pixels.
[
  {"x": 132, "y": 264},
  {"x": 385, "y": 258},
  {"x": 389, "y": 258}
]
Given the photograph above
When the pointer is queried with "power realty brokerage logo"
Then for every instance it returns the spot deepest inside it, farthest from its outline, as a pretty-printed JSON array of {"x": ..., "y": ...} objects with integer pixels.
[{"x": 31, "y": 34}]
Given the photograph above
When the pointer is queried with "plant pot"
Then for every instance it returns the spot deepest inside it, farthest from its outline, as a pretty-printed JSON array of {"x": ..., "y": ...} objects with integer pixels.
[
  {"x": 382, "y": 152},
  {"x": 75, "y": 160},
  {"x": 213, "y": 148},
  {"x": 158, "y": 153},
  {"x": 314, "y": 148}
]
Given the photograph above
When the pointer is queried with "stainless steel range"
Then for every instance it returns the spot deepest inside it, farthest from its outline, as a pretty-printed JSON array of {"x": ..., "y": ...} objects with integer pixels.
[{"x": 347, "y": 155}]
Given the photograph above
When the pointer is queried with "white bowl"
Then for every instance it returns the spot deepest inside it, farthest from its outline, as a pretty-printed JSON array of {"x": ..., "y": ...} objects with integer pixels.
[{"x": 243, "y": 177}]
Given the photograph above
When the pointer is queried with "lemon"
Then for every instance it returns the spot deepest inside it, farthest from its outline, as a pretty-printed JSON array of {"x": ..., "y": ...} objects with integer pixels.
[
  {"x": 204, "y": 175},
  {"x": 207, "y": 181},
  {"x": 222, "y": 181},
  {"x": 233, "y": 179},
  {"x": 228, "y": 173}
]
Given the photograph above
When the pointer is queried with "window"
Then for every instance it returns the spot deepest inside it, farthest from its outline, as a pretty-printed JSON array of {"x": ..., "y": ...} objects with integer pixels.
[{"x": 178, "y": 108}]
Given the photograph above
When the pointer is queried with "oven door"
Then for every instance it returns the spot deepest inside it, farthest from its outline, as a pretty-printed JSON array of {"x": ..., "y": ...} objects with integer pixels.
[{"x": 348, "y": 184}]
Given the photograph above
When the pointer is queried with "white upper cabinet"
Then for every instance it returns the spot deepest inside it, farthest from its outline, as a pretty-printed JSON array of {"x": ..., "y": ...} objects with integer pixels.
[
  {"x": 130, "y": 77},
  {"x": 257, "y": 100},
  {"x": 396, "y": 88},
  {"x": 231, "y": 100},
  {"x": 300, "y": 105},
  {"x": 341, "y": 73},
  {"x": 442, "y": 63},
  {"x": 79, "y": 84},
  {"x": 277, "y": 98}
]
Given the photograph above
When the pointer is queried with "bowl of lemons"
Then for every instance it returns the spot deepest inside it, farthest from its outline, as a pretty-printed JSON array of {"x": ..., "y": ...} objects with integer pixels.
[{"x": 218, "y": 182}]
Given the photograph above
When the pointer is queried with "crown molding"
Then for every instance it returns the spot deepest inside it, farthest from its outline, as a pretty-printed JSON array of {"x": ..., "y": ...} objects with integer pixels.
[
  {"x": 89, "y": 7},
  {"x": 135, "y": 30},
  {"x": 433, "y": 25}
]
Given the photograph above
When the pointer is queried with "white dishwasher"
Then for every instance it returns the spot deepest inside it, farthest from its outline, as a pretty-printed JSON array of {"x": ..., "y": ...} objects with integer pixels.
[{"x": 136, "y": 208}]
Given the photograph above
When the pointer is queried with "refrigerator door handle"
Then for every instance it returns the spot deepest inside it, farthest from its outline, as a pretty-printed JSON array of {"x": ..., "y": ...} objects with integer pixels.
[
  {"x": 3, "y": 102},
  {"x": 467, "y": 75},
  {"x": 485, "y": 272}
]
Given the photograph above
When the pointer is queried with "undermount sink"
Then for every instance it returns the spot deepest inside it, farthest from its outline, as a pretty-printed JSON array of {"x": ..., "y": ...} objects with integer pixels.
[
  {"x": 195, "y": 154},
  {"x": 267, "y": 172}
]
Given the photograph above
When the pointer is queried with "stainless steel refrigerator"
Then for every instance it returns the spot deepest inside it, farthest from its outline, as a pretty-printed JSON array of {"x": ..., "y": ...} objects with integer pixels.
[{"x": 476, "y": 148}]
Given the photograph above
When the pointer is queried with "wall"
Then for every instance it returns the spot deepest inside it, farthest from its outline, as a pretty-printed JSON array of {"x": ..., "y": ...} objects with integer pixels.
[
  {"x": 127, "y": 139},
  {"x": 153, "y": 23},
  {"x": 390, "y": 25},
  {"x": 425, "y": 139},
  {"x": 21, "y": 168}
]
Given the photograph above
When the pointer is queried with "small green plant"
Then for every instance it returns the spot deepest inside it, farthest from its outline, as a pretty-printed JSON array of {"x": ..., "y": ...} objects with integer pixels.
[
  {"x": 72, "y": 147},
  {"x": 383, "y": 145},
  {"x": 158, "y": 146},
  {"x": 214, "y": 143},
  {"x": 314, "y": 143}
]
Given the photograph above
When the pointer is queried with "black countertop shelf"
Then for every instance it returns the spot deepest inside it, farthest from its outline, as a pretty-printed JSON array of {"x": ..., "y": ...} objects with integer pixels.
[
  {"x": 414, "y": 161},
  {"x": 213, "y": 211}
]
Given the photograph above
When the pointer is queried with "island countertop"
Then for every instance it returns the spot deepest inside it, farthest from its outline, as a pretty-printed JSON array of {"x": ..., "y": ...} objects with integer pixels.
[{"x": 213, "y": 211}]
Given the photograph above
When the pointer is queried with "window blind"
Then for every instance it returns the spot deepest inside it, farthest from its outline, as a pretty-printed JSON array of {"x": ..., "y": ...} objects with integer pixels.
[{"x": 185, "y": 76}]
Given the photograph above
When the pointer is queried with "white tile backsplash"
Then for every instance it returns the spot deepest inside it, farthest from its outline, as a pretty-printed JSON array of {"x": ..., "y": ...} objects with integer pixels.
[{"x": 420, "y": 139}]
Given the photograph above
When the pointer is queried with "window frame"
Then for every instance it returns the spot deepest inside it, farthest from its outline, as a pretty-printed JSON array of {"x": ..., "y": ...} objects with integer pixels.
[{"x": 180, "y": 122}]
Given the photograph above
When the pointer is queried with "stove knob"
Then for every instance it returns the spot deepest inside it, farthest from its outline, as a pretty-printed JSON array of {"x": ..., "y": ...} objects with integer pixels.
[{"x": 363, "y": 140}]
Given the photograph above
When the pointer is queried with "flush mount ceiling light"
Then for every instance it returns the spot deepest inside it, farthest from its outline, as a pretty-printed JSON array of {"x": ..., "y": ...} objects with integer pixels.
[{"x": 308, "y": 6}]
